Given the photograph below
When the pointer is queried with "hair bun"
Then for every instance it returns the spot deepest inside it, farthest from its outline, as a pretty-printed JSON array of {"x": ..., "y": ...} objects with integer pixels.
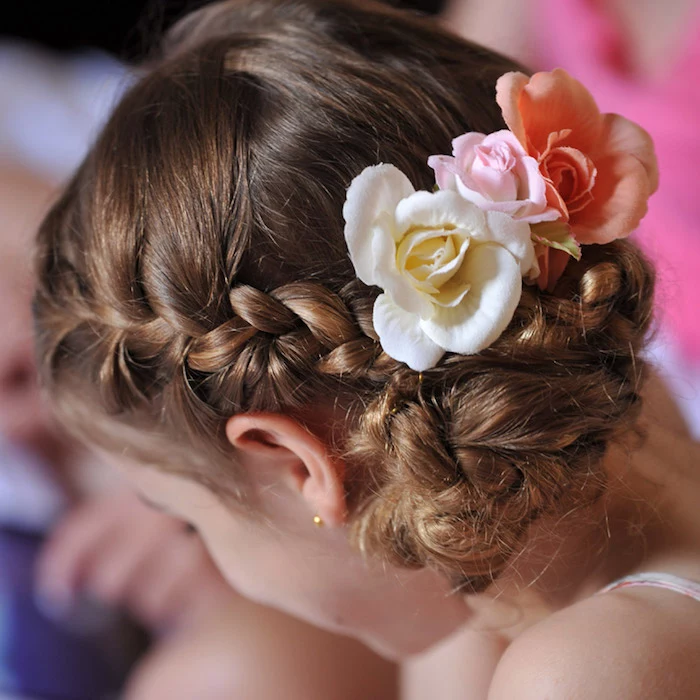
[{"x": 464, "y": 461}]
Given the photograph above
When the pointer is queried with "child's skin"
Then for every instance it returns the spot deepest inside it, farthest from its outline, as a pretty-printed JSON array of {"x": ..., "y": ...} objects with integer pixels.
[
  {"x": 213, "y": 644},
  {"x": 467, "y": 659},
  {"x": 556, "y": 630},
  {"x": 113, "y": 547}
]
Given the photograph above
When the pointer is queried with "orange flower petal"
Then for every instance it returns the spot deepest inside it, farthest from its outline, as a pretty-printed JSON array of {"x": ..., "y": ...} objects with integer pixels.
[
  {"x": 573, "y": 175},
  {"x": 620, "y": 197},
  {"x": 554, "y": 199},
  {"x": 620, "y": 135},
  {"x": 549, "y": 102},
  {"x": 508, "y": 90}
]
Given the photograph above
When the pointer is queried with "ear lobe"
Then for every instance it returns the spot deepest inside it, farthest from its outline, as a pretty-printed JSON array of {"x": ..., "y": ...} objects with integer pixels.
[
  {"x": 299, "y": 458},
  {"x": 324, "y": 490}
]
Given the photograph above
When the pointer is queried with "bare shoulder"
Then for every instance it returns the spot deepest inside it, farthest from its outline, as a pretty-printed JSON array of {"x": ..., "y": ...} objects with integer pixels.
[{"x": 635, "y": 644}]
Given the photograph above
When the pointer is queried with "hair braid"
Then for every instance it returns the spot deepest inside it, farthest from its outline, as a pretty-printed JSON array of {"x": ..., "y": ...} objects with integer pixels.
[{"x": 279, "y": 345}]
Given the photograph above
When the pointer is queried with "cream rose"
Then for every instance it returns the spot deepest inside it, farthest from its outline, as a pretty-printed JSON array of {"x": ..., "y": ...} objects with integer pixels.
[{"x": 451, "y": 274}]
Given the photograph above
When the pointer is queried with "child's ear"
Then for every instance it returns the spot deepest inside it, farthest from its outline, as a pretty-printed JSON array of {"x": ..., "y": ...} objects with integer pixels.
[{"x": 304, "y": 461}]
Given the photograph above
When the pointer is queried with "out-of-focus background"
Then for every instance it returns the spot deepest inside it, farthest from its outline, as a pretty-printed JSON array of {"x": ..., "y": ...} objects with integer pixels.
[{"x": 72, "y": 624}]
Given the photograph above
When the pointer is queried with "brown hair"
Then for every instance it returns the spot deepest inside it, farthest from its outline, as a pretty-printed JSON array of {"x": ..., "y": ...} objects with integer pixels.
[{"x": 196, "y": 268}]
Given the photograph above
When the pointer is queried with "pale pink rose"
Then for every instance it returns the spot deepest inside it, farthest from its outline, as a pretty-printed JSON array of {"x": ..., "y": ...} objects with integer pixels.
[{"x": 495, "y": 173}]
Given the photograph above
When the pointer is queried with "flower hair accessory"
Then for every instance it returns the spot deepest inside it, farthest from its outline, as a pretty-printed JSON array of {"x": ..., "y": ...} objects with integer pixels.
[{"x": 514, "y": 204}]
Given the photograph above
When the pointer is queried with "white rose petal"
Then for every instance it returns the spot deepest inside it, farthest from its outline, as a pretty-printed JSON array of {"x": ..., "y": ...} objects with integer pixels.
[
  {"x": 401, "y": 336},
  {"x": 514, "y": 236},
  {"x": 452, "y": 294},
  {"x": 375, "y": 191},
  {"x": 440, "y": 260},
  {"x": 437, "y": 210},
  {"x": 488, "y": 307},
  {"x": 388, "y": 276}
]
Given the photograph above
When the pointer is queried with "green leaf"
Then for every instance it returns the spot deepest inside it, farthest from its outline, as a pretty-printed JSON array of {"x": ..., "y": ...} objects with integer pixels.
[{"x": 556, "y": 234}]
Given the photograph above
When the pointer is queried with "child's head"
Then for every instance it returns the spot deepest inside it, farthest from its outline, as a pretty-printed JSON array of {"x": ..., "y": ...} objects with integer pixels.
[{"x": 198, "y": 310}]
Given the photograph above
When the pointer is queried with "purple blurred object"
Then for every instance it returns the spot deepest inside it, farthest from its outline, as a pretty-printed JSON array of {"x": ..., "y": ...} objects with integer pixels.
[
  {"x": 39, "y": 657},
  {"x": 81, "y": 653}
]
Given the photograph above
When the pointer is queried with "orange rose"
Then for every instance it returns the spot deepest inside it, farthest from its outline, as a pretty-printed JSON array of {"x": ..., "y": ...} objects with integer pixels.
[{"x": 600, "y": 169}]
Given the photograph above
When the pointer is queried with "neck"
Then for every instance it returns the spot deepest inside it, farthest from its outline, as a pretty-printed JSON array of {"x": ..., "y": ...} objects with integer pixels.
[
  {"x": 414, "y": 616},
  {"x": 645, "y": 520}
]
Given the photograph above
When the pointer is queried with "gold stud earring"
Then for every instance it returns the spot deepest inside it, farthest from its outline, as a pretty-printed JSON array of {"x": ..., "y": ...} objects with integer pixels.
[{"x": 318, "y": 521}]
